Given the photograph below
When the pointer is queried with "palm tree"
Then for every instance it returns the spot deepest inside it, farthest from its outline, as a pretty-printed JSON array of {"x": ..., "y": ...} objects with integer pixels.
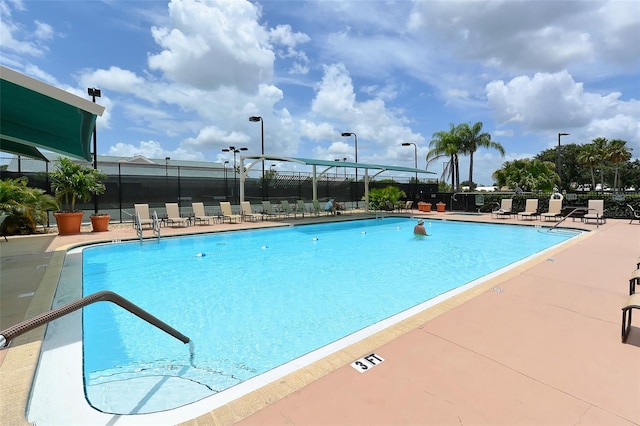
[
  {"x": 447, "y": 144},
  {"x": 588, "y": 158},
  {"x": 472, "y": 139},
  {"x": 616, "y": 153}
]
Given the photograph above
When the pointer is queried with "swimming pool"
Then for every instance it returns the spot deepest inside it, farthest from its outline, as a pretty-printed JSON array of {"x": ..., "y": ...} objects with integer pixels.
[{"x": 363, "y": 272}]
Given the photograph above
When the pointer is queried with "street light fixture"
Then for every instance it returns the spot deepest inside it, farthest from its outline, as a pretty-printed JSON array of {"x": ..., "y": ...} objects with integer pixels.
[
  {"x": 558, "y": 157},
  {"x": 94, "y": 93},
  {"x": 255, "y": 119},
  {"x": 235, "y": 172},
  {"x": 347, "y": 134},
  {"x": 415, "y": 157}
]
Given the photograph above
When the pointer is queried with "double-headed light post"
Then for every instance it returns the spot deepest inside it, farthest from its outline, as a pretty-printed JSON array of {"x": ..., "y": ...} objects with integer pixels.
[
  {"x": 255, "y": 119},
  {"x": 558, "y": 158},
  {"x": 235, "y": 171},
  {"x": 415, "y": 156},
  {"x": 355, "y": 137},
  {"x": 94, "y": 93}
]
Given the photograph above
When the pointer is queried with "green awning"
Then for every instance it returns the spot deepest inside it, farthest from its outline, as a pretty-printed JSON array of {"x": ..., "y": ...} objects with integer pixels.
[
  {"x": 21, "y": 149},
  {"x": 36, "y": 115}
]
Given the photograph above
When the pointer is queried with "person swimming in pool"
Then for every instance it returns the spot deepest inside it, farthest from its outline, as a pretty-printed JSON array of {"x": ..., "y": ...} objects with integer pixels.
[{"x": 419, "y": 228}]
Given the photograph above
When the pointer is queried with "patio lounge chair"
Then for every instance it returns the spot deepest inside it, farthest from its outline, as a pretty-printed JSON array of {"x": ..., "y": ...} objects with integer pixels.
[
  {"x": 225, "y": 206},
  {"x": 633, "y": 281},
  {"x": 142, "y": 215},
  {"x": 173, "y": 215},
  {"x": 268, "y": 210},
  {"x": 632, "y": 303},
  {"x": 634, "y": 214},
  {"x": 555, "y": 208},
  {"x": 530, "y": 209},
  {"x": 286, "y": 208},
  {"x": 247, "y": 214},
  {"x": 596, "y": 212},
  {"x": 199, "y": 215},
  {"x": 317, "y": 209},
  {"x": 301, "y": 207},
  {"x": 504, "y": 210}
]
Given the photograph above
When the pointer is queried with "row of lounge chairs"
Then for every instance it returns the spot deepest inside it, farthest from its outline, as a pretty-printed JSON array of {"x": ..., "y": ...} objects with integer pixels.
[
  {"x": 594, "y": 211},
  {"x": 246, "y": 213}
]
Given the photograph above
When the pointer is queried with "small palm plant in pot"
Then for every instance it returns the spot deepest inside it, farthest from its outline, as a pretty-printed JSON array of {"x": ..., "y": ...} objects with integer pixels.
[{"x": 71, "y": 182}]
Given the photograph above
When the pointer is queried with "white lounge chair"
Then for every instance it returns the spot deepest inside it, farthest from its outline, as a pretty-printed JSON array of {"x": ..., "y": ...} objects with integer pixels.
[
  {"x": 225, "y": 206},
  {"x": 247, "y": 214},
  {"x": 173, "y": 215},
  {"x": 530, "y": 209},
  {"x": 504, "y": 210},
  {"x": 555, "y": 210},
  {"x": 596, "y": 212},
  {"x": 200, "y": 215},
  {"x": 142, "y": 214}
]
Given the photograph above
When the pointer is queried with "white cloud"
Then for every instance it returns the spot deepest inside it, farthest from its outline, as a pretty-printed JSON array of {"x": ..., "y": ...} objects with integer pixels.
[{"x": 214, "y": 44}]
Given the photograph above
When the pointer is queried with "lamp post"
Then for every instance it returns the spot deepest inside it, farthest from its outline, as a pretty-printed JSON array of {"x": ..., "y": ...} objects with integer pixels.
[
  {"x": 355, "y": 137},
  {"x": 255, "y": 119},
  {"x": 95, "y": 93},
  {"x": 558, "y": 157},
  {"x": 226, "y": 192},
  {"x": 235, "y": 172},
  {"x": 415, "y": 157},
  {"x": 166, "y": 177}
]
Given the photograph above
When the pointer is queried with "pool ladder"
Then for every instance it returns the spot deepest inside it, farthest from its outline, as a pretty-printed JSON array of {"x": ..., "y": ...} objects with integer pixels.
[
  {"x": 569, "y": 215},
  {"x": 156, "y": 225},
  {"x": 107, "y": 296}
]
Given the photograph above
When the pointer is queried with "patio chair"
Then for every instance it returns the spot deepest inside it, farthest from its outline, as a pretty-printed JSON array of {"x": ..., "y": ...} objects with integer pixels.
[
  {"x": 225, "y": 207},
  {"x": 633, "y": 281},
  {"x": 317, "y": 208},
  {"x": 505, "y": 208},
  {"x": 634, "y": 214},
  {"x": 142, "y": 215},
  {"x": 173, "y": 215},
  {"x": 247, "y": 214},
  {"x": 301, "y": 207},
  {"x": 632, "y": 303},
  {"x": 596, "y": 212},
  {"x": 286, "y": 209},
  {"x": 554, "y": 212},
  {"x": 268, "y": 210},
  {"x": 199, "y": 214},
  {"x": 530, "y": 209},
  {"x": 3, "y": 216}
]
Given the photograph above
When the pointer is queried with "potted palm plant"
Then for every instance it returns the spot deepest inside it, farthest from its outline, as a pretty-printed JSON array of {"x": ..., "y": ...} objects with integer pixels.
[{"x": 71, "y": 182}]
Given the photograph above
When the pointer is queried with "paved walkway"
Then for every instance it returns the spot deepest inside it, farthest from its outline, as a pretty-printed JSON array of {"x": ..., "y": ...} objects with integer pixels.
[{"x": 539, "y": 345}]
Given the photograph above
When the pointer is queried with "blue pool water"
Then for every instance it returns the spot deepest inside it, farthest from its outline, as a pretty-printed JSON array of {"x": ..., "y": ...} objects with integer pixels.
[{"x": 254, "y": 300}]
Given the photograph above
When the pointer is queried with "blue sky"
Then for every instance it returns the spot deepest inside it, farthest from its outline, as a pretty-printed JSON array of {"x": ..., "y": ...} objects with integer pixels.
[{"x": 181, "y": 78}]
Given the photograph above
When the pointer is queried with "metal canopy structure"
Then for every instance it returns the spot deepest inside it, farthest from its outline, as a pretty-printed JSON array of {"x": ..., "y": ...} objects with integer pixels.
[
  {"x": 325, "y": 163},
  {"x": 36, "y": 115}
]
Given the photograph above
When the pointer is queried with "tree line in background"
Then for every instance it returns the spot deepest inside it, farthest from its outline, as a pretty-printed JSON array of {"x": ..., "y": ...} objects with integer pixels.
[{"x": 602, "y": 164}]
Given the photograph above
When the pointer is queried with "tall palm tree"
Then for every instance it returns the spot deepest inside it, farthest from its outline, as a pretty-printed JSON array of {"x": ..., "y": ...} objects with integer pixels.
[
  {"x": 600, "y": 151},
  {"x": 616, "y": 153},
  {"x": 588, "y": 158},
  {"x": 473, "y": 138},
  {"x": 447, "y": 144}
]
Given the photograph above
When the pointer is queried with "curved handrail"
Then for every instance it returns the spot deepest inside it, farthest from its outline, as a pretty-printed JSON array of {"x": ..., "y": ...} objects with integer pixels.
[{"x": 102, "y": 296}]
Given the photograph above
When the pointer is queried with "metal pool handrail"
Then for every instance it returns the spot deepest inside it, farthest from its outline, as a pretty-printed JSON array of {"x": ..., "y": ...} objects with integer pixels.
[{"x": 107, "y": 296}]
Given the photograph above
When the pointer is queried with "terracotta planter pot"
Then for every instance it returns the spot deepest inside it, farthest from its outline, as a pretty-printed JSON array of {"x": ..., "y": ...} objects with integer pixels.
[
  {"x": 427, "y": 207},
  {"x": 68, "y": 223},
  {"x": 100, "y": 223},
  {"x": 440, "y": 207}
]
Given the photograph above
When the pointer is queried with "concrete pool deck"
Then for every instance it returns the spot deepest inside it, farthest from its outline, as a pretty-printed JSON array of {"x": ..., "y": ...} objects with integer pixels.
[{"x": 539, "y": 344}]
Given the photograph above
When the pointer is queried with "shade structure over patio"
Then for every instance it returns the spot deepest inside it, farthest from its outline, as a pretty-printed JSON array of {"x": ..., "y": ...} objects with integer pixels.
[
  {"x": 379, "y": 168},
  {"x": 36, "y": 115}
]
